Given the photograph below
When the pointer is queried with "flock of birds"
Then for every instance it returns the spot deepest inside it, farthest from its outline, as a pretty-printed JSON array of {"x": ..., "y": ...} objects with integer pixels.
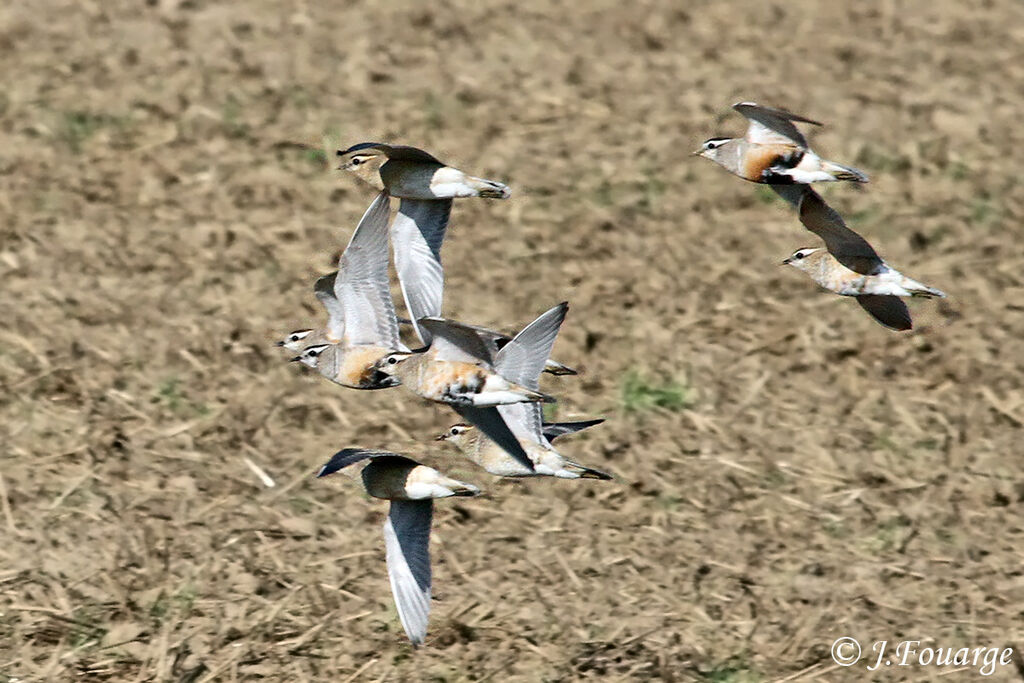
[{"x": 490, "y": 379}]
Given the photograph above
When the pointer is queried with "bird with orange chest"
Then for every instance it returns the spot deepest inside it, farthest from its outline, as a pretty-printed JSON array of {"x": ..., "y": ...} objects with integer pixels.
[
  {"x": 361, "y": 314},
  {"x": 774, "y": 151}
]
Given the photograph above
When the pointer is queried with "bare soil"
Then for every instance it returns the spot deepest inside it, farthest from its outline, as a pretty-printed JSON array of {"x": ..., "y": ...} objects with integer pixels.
[{"x": 788, "y": 472}]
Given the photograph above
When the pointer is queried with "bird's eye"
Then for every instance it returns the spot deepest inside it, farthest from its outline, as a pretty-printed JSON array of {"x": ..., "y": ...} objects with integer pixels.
[
  {"x": 356, "y": 161},
  {"x": 392, "y": 360},
  {"x": 293, "y": 338},
  {"x": 455, "y": 431},
  {"x": 800, "y": 254},
  {"x": 314, "y": 354}
]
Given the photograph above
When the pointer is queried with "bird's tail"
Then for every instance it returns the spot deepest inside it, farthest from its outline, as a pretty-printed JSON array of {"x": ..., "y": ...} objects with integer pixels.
[
  {"x": 532, "y": 395},
  {"x": 553, "y": 367},
  {"x": 489, "y": 189},
  {"x": 587, "y": 472},
  {"x": 461, "y": 488},
  {"x": 840, "y": 172},
  {"x": 922, "y": 290}
]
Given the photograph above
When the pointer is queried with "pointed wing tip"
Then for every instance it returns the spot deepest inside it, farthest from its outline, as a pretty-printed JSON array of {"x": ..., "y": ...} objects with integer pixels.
[
  {"x": 358, "y": 146},
  {"x": 739, "y": 106},
  {"x": 342, "y": 459}
]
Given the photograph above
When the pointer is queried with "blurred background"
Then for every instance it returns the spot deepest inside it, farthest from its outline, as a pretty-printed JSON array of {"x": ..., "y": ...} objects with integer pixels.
[{"x": 788, "y": 471}]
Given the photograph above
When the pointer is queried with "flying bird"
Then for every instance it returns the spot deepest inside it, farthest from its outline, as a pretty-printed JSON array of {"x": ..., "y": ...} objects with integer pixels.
[
  {"x": 525, "y": 420},
  {"x": 774, "y": 151},
  {"x": 411, "y": 488},
  {"x": 849, "y": 266},
  {"x": 546, "y": 461},
  {"x": 425, "y": 187},
  {"x": 361, "y": 314},
  {"x": 459, "y": 369}
]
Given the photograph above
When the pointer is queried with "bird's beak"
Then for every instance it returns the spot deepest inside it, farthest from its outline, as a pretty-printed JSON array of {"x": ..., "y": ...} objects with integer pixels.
[
  {"x": 295, "y": 360},
  {"x": 785, "y": 262},
  {"x": 279, "y": 343},
  {"x": 441, "y": 437}
]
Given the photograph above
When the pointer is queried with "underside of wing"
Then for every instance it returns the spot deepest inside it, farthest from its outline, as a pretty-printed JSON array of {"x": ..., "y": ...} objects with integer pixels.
[
  {"x": 362, "y": 284},
  {"x": 849, "y": 248},
  {"x": 416, "y": 238},
  {"x": 407, "y": 546},
  {"x": 772, "y": 126},
  {"x": 453, "y": 341},
  {"x": 890, "y": 311},
  {"x": 492, "y": 425},
  {"x": 523, "y": 359},
  {"x": 324, "y": 292},
  {"x": 524, "y": 420}
]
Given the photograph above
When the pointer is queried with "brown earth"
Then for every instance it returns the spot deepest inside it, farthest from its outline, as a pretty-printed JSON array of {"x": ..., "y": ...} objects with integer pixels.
[{"x": 788, "y": 471}]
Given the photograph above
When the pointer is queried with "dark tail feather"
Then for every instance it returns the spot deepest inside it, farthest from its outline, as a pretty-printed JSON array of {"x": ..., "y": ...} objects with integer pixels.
[
  {"x": 591, "y": 473},
  {"x": 557, "y": 369}
]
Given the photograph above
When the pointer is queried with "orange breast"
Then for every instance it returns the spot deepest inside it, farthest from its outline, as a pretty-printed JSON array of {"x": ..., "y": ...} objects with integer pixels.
[
  {"x": 357, "y": 365},
  {"x": 759, "y": 158},
  {"x": 443, "y": 377}
]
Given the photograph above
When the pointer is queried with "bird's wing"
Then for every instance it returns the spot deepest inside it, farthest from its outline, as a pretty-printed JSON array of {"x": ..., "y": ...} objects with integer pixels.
[
  {"x": 416, "y": 237},
  {"x": 492, "y": 425},
  {"x": 769, "y": 126},
  {"x": 359, "y": 147},
  {"x": 453, "y": 341},
  {"x": 791, "y": 193},
  {"x": 324, "y": 291},
  {"x": 407, "y": 545},
  {"x": 362, "y": 284},
  {"x": 493, "y": 340},
  {"x": 350, "y": 456},
  {"x": 524, "y": 420},
  {"x": 407, "y": 153},
  {"x": 849, "y": 248},
  {"x": 398, "y": 152},
  {"x": 553, "y": 430},
  {"x": 888, "y": 310},
  {"x": 523, "y": 359}
]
